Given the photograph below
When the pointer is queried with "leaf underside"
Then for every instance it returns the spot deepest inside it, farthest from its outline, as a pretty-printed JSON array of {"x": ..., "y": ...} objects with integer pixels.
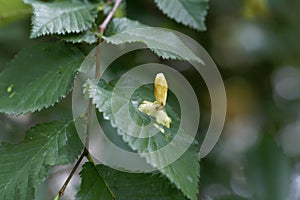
[{"x": 87, "y": 37}]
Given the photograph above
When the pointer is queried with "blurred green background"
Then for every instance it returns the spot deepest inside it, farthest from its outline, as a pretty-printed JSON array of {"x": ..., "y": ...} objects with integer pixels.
[{"x": 256, "y": 46}]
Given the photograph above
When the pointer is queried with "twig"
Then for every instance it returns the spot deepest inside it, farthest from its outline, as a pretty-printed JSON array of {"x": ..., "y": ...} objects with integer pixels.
[
  {"x": 63, "y": 188},
  {"x": 103, "y": 26},
  {"x": 90, "y": 158},
  {"x": 88, "y": 112},
  {"x": 98, "y": 61}
]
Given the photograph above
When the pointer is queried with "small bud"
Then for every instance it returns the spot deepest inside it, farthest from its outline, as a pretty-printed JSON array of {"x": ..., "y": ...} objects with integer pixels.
[
  {"x": 155, "y": 109},
  {"x": 160, "y": 89}
]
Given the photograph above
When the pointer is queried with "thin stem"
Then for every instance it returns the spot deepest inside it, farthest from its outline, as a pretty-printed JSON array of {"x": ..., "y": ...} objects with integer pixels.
[
  {"x": 90, "y": 158},
  {"x": 88, "y": 124},
  {"x": 63, "y": 188},
  {"x": 103, "y": 26},
  {"x": 88, "y": 112},
  {"x": 98, "y": 60}
]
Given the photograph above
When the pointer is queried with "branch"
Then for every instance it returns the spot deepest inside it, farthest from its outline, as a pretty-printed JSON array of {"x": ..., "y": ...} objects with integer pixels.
[
  {"x": 63, "y": 188},
  {"x": 108, "y": 18},
  {"x": 102, "y": 28},
  {"x": 88, "y": 113},
  {"x": 85, "y": 152}
]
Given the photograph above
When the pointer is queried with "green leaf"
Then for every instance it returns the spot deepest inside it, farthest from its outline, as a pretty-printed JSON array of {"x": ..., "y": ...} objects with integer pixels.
[
  {"x": 38, "y": 77},
  {"x": 164, "y": 43},
  {"x": 268, "y": 171},
  {"x": 93, "y": 184},
  {"x": 188, "y": 12},
  {"x": 88, "y": 37},
  {"x": 12, "y": 10},
  {"x": 25, "y": 165},
  {"x": 100, "y": 182},
  {"x": 184, "y": 172},
  {"x": 62, "y": 17}
]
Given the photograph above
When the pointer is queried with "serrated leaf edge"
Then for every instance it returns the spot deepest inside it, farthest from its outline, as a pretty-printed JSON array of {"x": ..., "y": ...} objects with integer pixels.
[
  {"x": 181, "y": 21},
  {"x": 37, "y": 34}
]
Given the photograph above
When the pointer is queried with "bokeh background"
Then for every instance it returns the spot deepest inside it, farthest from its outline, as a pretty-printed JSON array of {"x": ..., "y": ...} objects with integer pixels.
[{"x": 256, "y": 46}]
